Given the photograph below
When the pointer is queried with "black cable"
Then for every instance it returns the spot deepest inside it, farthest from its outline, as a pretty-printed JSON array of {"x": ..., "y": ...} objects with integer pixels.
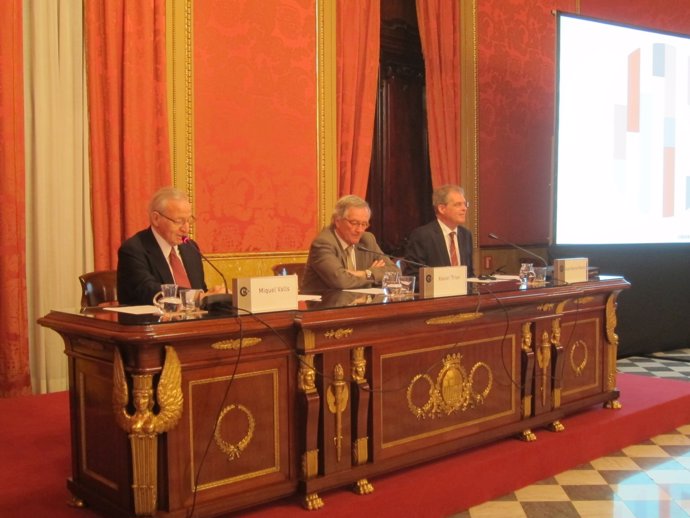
[
  {"x": 515, "y": 383},
  {"x": 326, "y": 377},
  {"x": 190, "y": 513}
]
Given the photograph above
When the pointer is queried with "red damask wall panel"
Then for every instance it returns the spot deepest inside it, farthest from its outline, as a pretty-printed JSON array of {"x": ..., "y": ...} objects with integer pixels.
[
  {"x": 516, "y": 118},
  {"x": 516, "y": 78},
  {"x": 255, "y": 124},
  {"x": 669, "y": 15}
]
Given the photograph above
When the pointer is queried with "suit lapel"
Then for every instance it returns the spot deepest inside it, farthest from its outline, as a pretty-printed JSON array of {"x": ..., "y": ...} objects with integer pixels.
[
  {"x": 342, "y": 254},
  {"x": 440, "y": 244},
  {"x": 156, "y": 256}
]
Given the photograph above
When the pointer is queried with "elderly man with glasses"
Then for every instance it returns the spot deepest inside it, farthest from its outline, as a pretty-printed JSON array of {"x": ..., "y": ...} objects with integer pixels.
[
  {"x": 161, "y": 253},
  {"x": 344, "y": 255}
]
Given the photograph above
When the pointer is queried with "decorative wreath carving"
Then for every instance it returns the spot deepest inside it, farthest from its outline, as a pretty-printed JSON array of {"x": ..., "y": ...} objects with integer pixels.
[
  {"x": 233, "y": 451},
  {"x": 579, "y": 368},
  {"x": 453, "y": 390}
]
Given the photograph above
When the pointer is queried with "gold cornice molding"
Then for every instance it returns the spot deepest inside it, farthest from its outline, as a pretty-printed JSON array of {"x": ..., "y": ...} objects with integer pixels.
[
  {"x": 247, "y": 265},
  {"x": 180, "y": 76},
  {"x": 326, "y": 109}
]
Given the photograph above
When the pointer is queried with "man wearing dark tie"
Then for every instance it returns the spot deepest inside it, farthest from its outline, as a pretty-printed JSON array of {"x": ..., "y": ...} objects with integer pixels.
[
  {"x": 160, "y": 254},
  {"x": 344, "y": 255},
  {"x": 442, "y": 242}
]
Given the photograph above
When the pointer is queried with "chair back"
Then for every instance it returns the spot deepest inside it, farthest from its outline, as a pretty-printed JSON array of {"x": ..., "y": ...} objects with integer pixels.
[
  {"x": 98, "y": 287},
  {"x": 289, "y": 269}
]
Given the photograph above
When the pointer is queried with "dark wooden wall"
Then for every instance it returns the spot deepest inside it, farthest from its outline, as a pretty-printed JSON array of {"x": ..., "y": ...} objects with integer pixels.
[{"x": 400, "y": 181}]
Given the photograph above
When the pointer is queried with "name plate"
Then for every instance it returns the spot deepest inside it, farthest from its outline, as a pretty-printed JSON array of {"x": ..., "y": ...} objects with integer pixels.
[
  {"x": 571, "y": 270},
  {"x": 443, "y": 281},
  {"x": 263, "y": 294}
]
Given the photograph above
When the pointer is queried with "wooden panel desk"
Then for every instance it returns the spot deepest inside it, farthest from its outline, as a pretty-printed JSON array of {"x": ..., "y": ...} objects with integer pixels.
[{"x": 222, "y": 413}]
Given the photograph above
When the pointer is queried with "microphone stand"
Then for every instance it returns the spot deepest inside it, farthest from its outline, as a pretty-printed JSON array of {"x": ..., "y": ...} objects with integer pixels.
[
  {"x": 391, "y": 257},
  {"x": 213, "y": 301},
  {"x": 498, "y": 238}
]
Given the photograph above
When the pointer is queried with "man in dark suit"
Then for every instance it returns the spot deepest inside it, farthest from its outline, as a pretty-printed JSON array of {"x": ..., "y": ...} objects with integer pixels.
[
  {"x": 145, "y": 261},
  {"x": 344, "y": 255},
  {"x": 432, "y": 244}
]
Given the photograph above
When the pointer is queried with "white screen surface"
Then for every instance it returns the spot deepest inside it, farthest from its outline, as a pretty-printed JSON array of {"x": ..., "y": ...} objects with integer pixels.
[{"x": 623, "y": 135}]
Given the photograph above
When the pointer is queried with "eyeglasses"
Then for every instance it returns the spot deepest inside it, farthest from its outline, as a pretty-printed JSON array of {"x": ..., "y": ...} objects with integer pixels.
[
  {"x": 179, "y": 222},
  {"x": 354, "y": 223},
  {"x": 459, "y": 204}
]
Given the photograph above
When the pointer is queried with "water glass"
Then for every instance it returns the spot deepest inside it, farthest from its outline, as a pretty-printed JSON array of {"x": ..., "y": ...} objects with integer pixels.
[
  {"x": 526, "y": 274},
  {"x": 540, "y": 275},
  {"x": 167, "y": 300},
  {"x": 391, "y": 283},
  {"x": 191, "y": 299},
  {"x": 407, "y": 283}
]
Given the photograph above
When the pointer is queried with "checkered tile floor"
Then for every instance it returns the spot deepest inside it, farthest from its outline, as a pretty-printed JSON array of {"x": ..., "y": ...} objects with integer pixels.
[
  {"x": 668, "y": 364},
  {"x": 648, "y": 480}
]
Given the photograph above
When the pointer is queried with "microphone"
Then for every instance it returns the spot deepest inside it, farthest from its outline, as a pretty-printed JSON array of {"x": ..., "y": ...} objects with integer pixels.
[
  {"x": 391, "y": 257},
  {"x": 213, "y": 301},
  {"x": 498, "y": 238}
]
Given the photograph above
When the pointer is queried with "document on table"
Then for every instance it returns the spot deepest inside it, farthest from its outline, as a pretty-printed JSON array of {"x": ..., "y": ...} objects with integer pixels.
[
  {"x": 368, "y": 291},
  {"x": 495, "y": 278},
  {"x": 135, "y": 310},
  {"x": 301, "y": 297}
]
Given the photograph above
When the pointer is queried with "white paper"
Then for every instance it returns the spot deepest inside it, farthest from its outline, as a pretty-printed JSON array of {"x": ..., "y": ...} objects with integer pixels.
[
  {"x": 135, "y": 310},
  {"x": 368, "y": 291},
  {"x": 309, "y": 297},
  {"x": 496, "y": 278}
]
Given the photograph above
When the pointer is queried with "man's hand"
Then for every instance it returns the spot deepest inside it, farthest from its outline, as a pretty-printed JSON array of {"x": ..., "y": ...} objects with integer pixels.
[{"x": 218, "y": 288}]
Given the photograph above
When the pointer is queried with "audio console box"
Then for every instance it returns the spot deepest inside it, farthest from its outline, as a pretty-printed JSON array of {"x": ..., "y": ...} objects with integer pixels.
[{"x": 571, "y": 270}]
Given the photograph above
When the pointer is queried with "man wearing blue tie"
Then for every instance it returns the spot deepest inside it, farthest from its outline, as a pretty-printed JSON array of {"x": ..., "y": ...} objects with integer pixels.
[{"x": 442, "y": 242}]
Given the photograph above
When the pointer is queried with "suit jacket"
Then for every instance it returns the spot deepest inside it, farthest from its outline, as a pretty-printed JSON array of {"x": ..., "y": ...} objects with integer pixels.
[
  {"x": 327, "y": 263},
  {"x": 427, "y": 245},
  {"x": 142, "y": 268}
]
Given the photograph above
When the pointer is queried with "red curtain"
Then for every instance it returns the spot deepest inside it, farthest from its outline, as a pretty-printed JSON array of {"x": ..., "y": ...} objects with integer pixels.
[
  {"x": 14, "y": 341},
  {"x": 128, "y": 125},
  {"x": 439, "y": 32},
  {"x": 359, "y": 27}
]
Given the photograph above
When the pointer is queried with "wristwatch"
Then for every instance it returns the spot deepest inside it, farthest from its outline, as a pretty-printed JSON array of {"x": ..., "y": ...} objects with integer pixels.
[{"x": 370, "y": 276}]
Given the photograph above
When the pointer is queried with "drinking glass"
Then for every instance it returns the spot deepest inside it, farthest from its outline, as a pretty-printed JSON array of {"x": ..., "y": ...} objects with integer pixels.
[
  {"x": 526, "y": 274},
  {"x": 391, "y": 283},
  {"x": 407, "y": 283},
  {"x": 190, "y": 299},
  {"x": 167, "y": 300},
  {"x": 539, "y": 275}
]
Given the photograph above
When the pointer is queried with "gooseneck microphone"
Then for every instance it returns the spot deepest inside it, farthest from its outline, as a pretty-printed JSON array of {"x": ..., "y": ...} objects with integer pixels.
[
  {"x": 213, "y": 300},
  {"x": 391, "y": 257},
  {"x": 496, "y": 237}
]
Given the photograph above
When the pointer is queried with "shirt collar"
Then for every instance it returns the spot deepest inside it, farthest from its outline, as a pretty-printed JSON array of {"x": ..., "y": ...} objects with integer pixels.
[
  {"x": 162, "y": 243},
  {"x": 446, "y": 229},
  {"x": 343, "y": 244}
]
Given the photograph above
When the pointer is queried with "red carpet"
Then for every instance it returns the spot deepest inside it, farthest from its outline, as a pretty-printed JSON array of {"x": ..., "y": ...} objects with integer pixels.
[{"x": 35, "y": 458}]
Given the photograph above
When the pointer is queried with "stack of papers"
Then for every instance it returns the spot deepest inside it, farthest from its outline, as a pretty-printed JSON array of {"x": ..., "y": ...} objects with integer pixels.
[{"x": 494, "y": 278}]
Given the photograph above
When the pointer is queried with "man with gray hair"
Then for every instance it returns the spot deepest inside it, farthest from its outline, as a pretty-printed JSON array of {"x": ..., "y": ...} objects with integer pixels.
[
  {"x": 161, "y": 253},
  {"x": 344, "y": 255},
  {"x": 442, "y": 242}
]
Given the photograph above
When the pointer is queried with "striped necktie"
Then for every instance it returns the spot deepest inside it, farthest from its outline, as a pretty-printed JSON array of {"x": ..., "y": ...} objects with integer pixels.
[
  {"x": 453, "y": 252},
  {"x": 350, "y": 251}
]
